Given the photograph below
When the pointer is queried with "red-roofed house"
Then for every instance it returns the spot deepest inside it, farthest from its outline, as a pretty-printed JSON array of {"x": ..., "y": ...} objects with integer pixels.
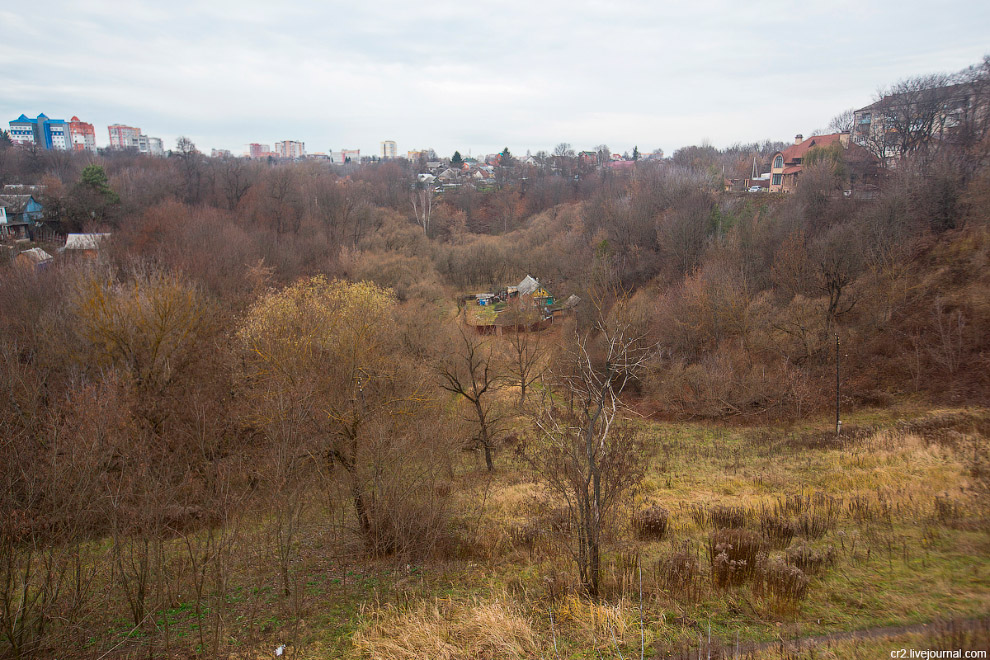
[
  {"x": 786, "y": 165},
  {"x": 622, "y": 164},
  {"x": 861, "y": 166}
]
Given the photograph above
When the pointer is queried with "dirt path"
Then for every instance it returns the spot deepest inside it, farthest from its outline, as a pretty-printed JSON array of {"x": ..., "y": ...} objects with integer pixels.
[
  {"x": 728, "y": 649},
  {"x": 959, "y": 625}
]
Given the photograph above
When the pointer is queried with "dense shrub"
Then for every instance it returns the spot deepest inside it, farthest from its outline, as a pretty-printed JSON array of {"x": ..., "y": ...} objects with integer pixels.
[
  {"x": 778, "y": 531},
  {"x": 812, "y": 561},
  {"x": 780, "y": 583},
  {"x": 678, "y": 572},
  {"x": 651, "y": 523},
  {"x": 732, "y": 555}
]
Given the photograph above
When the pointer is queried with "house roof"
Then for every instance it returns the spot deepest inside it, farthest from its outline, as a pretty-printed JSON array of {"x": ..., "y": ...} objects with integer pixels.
[
  {"x": 84, "y": 241},
  {"x": 796, "y": 151},
  {"x": 955, "y": 92},
  {"x": 791, "y": 169},
  {"x": 527, "y": 286},
  {"x": 21, "y": 189},
  {"x": 37, "y": 255},
  {"x": 15, "y": 203},
  {"x": 859, "y": 155}
]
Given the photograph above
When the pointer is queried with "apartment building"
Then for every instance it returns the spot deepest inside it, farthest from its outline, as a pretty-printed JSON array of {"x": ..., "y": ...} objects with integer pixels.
[
  {"x": 256, "y": 150},
  {"x": 151, "y": 146},
  {"x": 41, "y": 131},
  {"x": 345, "y": 156},
  {"x": 290, "y": 149},
  {"x": 82, "y": 135},
  {"x": 123, "y": 137},
  {"x": 917, "y": 117}
]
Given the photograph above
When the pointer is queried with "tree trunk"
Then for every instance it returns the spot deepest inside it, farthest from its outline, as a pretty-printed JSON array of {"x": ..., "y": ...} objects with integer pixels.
[
  {"x": 595, "y": 535},
  {"x": 364, "y": 516},
  {"x": 488, "y": 458},
  {"x": 594, "y": 503},
  {"x": 486, "y": 441},
  {"x": 357, "y": 493}
]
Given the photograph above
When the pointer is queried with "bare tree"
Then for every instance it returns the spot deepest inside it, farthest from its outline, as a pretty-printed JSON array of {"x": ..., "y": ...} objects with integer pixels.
[
  {"x": 604, "y": 155},
  {"x": 526, "y": 348},
  {"x": 911, "y": 116},
  {"x": 842, "y": 122},
  {"x": 974, "y": 117},
  {"x": 192, "y": 167},
  {"x": 422, "y": 203},
  {"x": 585, "y": 457},
  {"x": 235, "y": 179},
  {"x": 279, "y": 200},
  {"x": 471, "y": 371}
]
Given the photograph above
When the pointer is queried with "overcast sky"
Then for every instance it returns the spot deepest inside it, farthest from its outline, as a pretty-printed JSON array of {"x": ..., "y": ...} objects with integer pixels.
[{"x": 472, "y": 75}]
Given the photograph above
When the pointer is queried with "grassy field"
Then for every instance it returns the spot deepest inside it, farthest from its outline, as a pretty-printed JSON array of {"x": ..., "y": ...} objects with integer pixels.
[
  {"x": 884, "y": 522},
  {"x": 898, "y": 541}
]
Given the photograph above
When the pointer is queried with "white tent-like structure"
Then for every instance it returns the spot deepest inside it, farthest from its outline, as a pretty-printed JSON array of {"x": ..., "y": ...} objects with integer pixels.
[
  {"x": 527, "y": 286},
  {"x": 84, "y": 241}
]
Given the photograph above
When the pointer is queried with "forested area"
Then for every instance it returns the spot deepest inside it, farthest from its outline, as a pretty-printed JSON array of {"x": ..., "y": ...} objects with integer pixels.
[{"x": 264, "y": 376}]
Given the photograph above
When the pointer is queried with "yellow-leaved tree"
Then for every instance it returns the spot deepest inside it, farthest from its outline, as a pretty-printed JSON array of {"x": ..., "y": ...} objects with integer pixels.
[
  {"x": 333, "y": 388},
  {"x": 147, "y": 327}
]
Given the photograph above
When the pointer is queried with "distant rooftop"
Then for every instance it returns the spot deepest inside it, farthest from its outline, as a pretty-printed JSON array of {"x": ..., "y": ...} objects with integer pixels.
[{"x": 84, "y": 241}]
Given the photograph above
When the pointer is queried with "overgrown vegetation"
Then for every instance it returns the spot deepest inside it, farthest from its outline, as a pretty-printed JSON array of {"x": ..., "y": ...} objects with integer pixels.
[{"x": 259, "y": 419}]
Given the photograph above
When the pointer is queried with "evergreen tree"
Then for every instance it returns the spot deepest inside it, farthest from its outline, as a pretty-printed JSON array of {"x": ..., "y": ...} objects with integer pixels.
[
  {"x": 92, "y": 199},
  {"x": 635, "y": 153},
  {"x": 94, "y": 177},
  {"x": 456, "y": 161}
]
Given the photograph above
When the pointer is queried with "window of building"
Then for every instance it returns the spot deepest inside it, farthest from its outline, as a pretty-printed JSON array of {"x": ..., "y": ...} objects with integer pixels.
[
  {"x": 778, "y": 162},
  {"x": 776, "y": 179}
]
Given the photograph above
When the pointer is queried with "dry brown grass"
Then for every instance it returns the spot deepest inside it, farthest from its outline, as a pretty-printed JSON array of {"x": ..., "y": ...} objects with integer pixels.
[
  {"x": 594, "y": 624},
  {"x": 447, "y": 630}
]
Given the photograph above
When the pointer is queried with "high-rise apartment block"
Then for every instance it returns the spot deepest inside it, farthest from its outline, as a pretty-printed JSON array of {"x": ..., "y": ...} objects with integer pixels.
[
  {"x": 389, "y": 149},
  {"x": 256, "y": 150},
  {"x": 345, "y": 156},
  {"x": 41, "y": 131},
  {"x": 290, "y": 149},
  {"x": 124, "y": 137},
  {"x": 150, "y": 145},
  {"x": 131, "y": 137},
  {"x": 82, "y": 136}
]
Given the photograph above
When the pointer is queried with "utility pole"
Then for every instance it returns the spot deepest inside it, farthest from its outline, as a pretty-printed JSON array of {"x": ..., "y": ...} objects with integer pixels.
[{"x": 838, "y": 422}]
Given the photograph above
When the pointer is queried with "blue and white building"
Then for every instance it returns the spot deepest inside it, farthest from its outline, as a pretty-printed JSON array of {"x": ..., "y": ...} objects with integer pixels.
[
  {"x": 41, "y": 131},
  {"x": 20, "y": 215}
]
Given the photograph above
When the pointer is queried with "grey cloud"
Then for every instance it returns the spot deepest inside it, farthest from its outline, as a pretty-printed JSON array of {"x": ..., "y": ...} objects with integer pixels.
[{"x": 471, "y": 75}]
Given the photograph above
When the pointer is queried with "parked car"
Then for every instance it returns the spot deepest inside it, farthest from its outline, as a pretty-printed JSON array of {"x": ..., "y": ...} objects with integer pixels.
[{"x": 756, "y": 189}]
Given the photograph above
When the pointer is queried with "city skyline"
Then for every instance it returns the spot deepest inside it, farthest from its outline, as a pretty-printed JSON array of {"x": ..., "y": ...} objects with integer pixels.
[{"x": 450, "y": 77}]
